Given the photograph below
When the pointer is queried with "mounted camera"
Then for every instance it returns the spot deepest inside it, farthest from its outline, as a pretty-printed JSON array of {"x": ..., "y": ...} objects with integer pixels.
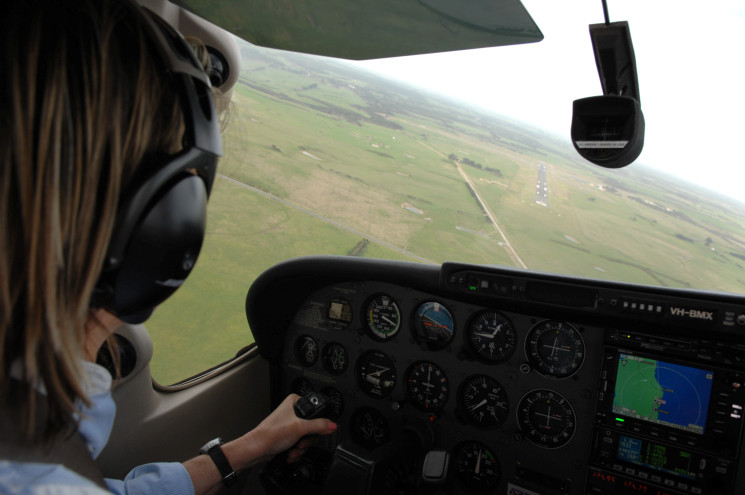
[{"x": 608, "y": 130}]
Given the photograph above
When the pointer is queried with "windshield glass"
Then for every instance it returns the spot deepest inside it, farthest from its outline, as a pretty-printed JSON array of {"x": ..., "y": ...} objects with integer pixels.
[{"x": 466, "y": 157}]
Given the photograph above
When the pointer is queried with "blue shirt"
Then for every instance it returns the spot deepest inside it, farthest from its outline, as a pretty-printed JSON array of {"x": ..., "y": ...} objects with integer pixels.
[{"x": 24, "y": 478}]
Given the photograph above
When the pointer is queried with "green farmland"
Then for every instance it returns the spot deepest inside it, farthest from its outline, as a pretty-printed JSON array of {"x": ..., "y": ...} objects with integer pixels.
[{"x": 324, "y": 158}]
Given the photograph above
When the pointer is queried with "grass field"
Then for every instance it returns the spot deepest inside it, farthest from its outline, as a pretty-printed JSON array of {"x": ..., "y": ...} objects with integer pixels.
[{"x": 320, "y": 156}]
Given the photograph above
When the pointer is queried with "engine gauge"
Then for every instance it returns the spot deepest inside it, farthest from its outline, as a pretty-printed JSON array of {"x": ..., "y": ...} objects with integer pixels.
[
  {"x": 546, "y": 418},
  {"x": 369, "y": 427},
  {"x": 336, "y": 403},
  {"x": 433, "y": 325},
  {"x": 376, "y": 373},
  {"x": 491, "y": 336},
  {"x": 426, "y": 385},
  {"x": 555, "y": 348},
  {"x": 383, "y": 317},
  {"x": 483, "y": 401},
  {"x": 476, "y": 466},
  {"x": 306, "y": 350},
  {"x": 335, "y": 358}
]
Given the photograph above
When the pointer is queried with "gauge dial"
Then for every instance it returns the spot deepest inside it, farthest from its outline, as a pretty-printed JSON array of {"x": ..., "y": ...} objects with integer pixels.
[
  {"x": 555, "y": 348},
  {"x": 477, "y": 466},
  {"x": 546, "y": 418},
  {"x": 376, "y": 373},
  {"x": 335, "y": 358},
  {"x": 483, "y": 401},
  {"x": 336, "y": 403},
  {"x": 306, "y": 350},
  {"x": 433, "y": 325},
  {"x": 426, "y": 385},
  {"x": 492, "y": 336},
  {"x": 369, "y": 427},
  {"x": 383, "y": 317}
]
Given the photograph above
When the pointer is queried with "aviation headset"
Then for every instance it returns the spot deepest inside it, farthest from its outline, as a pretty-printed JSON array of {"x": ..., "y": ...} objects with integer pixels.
[{"x": 161, "y": 217}]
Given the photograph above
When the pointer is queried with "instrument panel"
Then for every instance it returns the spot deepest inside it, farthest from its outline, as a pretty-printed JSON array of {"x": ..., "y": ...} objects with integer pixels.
[{"x": 461, "y": 386}]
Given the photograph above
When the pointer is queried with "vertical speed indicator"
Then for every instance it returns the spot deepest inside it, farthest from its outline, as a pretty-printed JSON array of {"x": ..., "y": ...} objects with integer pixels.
[{"x": 383, "y": 317}]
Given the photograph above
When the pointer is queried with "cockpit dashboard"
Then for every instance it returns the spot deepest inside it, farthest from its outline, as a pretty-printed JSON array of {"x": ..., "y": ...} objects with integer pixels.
[{"x": 472, "y": 379}]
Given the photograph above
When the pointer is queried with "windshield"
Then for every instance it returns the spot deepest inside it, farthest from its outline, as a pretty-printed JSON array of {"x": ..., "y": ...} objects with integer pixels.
[{"x": 466, "y": 157}]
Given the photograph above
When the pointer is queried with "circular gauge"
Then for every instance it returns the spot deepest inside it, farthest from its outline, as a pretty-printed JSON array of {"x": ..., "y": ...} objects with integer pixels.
[
  {"x": 484, "y": 401},
  {"x": 555, "y": 348},
  {"x": 336, "y": 403},
  {"x": 476, "y": 466},
  {"x": 433, "y": 325},
  {"x": 426, "y": 385},
  {"x": 376, "y": 373},
  {"x": 369, "y": 427},
  {"x": 383, "y": 317},
  {"x": 546, "y": 418},
  {"x": 306, "y": 350},
  {"x": 335, "y": 358},
  {"x": 302, "y": 387},
  {"x": 340, "y": 313},
  {"x": 491, "y": 335}
]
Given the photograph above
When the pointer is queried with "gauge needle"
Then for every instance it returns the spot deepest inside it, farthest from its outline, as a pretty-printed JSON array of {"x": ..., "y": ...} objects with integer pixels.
[
  {"x": 478, "y": 464},
  {"x": 380, "y": 370},
  {"x": 388, "y": 320},
  {"x": 476, "y": 406}
]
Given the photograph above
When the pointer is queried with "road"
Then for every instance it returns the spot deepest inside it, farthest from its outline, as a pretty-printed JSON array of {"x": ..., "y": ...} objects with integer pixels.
[
  {"x": 511, "y": 252},
  {"x": 325, "y": 219},
  {"x": 516, "y": 260}
]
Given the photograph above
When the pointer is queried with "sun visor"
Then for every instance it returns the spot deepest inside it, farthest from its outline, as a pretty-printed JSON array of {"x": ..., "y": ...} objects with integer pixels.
[{"x": 370, "y": 29}]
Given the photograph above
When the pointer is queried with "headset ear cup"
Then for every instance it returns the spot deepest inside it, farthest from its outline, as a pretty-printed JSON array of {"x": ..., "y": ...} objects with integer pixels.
[{"x": 162, "y": 250}]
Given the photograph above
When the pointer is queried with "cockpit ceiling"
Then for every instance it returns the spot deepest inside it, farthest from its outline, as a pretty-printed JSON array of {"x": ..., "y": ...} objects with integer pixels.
[{"x": 368, "y": 29}]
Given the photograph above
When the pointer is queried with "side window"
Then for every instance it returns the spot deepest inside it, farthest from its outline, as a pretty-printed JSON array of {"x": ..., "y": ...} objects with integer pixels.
[{"x": 259, "y": 214}]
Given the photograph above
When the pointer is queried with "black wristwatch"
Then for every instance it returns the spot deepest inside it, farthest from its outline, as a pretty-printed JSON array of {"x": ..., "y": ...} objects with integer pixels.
[{"x": 213, "y": 449}]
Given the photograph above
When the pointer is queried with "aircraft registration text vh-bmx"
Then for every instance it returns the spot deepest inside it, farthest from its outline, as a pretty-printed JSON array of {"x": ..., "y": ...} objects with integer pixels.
[{"x": 497, "y": 275}]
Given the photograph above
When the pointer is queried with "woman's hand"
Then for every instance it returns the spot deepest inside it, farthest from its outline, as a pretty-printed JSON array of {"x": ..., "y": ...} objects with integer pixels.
[
  {"x": 279, "y": 432},
  {"x": 282, "y": 430}
]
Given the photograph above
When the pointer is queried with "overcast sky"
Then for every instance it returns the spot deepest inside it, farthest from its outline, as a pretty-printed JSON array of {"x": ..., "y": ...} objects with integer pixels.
[{"x": 690, "y": 59}]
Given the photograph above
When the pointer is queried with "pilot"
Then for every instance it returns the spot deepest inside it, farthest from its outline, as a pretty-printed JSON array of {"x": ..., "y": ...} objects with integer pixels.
[{"x": 101, "y": 137}]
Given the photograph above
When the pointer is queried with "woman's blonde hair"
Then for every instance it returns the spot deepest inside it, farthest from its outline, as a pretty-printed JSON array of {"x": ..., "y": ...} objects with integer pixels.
[{"x": 84, "y": 98}]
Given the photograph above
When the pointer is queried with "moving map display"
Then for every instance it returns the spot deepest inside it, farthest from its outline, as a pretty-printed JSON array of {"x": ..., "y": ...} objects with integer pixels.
[{"x": 662, "y": 393}]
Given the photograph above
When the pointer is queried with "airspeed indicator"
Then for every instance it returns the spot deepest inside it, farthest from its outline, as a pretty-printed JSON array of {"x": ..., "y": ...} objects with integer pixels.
[{"x": 383, "y": 317}]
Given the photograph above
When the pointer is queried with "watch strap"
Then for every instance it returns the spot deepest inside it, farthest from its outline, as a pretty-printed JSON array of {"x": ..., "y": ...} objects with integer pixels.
[{"x": 214, "y": 450}]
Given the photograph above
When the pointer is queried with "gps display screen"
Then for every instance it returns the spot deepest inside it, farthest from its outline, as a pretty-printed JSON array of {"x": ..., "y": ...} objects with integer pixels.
[{"x": 662, "y": 393}]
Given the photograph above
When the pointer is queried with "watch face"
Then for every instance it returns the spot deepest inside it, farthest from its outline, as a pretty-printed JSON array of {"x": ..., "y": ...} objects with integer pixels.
[{"x": 215, "y": 442}]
